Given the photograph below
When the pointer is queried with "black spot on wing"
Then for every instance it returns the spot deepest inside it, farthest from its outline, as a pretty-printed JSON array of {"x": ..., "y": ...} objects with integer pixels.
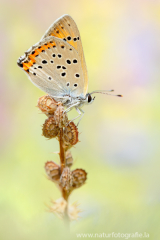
[
  {"x": 63, "y": 74},
  {"x": 68, "y": 61},
  {"x": 77, "y": 75},
  {"x": 44, "y": 61}
]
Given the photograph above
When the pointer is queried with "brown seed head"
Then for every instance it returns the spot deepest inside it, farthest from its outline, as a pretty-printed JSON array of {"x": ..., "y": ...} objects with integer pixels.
[
  {"x": 47, "y": 105},
  {"x": 66, "y": 178},
  {"x": 52, "y": 170},
  {"x": 69, "y": 159},
  {"x": 60, "y": 116},
  {"x": 50, "y": 129},
  {"x": 70, "y": 134},
  {"x": 79, "y": 177}
]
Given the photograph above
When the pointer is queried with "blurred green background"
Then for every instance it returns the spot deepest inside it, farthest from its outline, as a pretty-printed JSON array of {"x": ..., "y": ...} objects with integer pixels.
[{"x": 120, "y": 137}]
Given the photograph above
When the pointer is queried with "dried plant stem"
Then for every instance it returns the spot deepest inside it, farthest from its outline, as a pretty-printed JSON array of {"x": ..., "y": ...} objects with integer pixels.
[
  {"x": 66, "y": 218},
  {"x": 63, "y": 164},
  {"x": 58, "y": 126},
  {"x": 62, "y": 152}
]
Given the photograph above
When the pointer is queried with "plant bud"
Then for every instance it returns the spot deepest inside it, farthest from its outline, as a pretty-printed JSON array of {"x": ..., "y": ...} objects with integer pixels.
[
  {"x": 79, "y": 177},
  {"x": 69, "y": 159},
  {"x": 50, "y": 129},
  {"x": 66, "y": 178},
  {"x": 47, "y": 105},
  {"x": 52, "y": 170},
  {"x": 60, "y": 116},
  {"x": 70, "y": 134}
]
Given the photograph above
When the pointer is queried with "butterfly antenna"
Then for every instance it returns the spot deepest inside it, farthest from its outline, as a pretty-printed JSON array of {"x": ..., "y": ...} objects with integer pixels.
[{"x": 106, "y": 92}]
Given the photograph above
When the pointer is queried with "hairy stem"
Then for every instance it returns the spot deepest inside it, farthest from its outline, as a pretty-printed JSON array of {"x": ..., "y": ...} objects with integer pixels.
[
  {"x": 63, "y": 164},
  {"x": 62, "y": 152}
]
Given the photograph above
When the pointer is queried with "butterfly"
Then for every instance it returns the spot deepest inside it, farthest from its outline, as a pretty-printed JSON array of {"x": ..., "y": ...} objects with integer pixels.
[{"x": 56, "y": 65}]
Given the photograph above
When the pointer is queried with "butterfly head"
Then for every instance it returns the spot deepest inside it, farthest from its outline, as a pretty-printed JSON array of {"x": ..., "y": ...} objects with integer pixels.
[
  {"x": 85, "y": 101},
  {"x": 89, "y": 98}
]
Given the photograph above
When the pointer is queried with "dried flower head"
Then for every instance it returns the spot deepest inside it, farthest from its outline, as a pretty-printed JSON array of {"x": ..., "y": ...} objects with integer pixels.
[
  {"x": 79, "y": 177},
  {"x": 69, "y": 158},
  {"x": 73, "y": 211},
  {"x": 52, "y": 170},
  {"x": 66, "y": 178},
  {"x": 60, "y": 116},
  {"x": 50, "y": 129},
  {"x": 70, "y": 135},
  {"x": 47, "y": 105},
  {"x": 58, "y": 207}
]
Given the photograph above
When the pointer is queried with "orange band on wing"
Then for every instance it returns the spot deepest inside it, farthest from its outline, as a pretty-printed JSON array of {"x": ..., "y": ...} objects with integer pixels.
[
  {"x": 35, "y": 53},
  {"x": 26, "y": 66},
  {"x": 32, "y": 59},
  {"x": 41, "y": 48}
]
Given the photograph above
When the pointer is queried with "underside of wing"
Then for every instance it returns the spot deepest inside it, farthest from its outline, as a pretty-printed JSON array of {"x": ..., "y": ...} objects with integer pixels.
[
  {"x": 54, "y": 66},
  {"x": 66, "y": 29}
]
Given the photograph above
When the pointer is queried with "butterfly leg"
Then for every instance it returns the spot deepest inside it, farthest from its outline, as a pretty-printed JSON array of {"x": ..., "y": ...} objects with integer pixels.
[
  {"x": 76, "y": 117},
  {"x": 70, "y": 108},
  {"x": 81, "y": 114},
  {"x": 80, "y": 111}
]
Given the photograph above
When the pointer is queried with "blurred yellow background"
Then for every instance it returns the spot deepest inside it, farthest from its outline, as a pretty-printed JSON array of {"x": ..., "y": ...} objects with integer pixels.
[{"x": 119, "y": 137}]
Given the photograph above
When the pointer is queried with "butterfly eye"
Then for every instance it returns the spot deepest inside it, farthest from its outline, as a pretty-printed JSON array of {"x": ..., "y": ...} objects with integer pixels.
[{"x": 89, "y": 98}]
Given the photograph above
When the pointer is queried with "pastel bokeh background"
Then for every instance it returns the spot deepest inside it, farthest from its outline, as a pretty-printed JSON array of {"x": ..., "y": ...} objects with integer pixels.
[{"x": 120, "y": 137}]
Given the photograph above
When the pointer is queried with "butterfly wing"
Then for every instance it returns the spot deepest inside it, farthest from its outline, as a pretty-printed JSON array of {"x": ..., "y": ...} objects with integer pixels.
[
  {"x": 54, "y": 66},
  {"x": 66, "y": 29}
]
